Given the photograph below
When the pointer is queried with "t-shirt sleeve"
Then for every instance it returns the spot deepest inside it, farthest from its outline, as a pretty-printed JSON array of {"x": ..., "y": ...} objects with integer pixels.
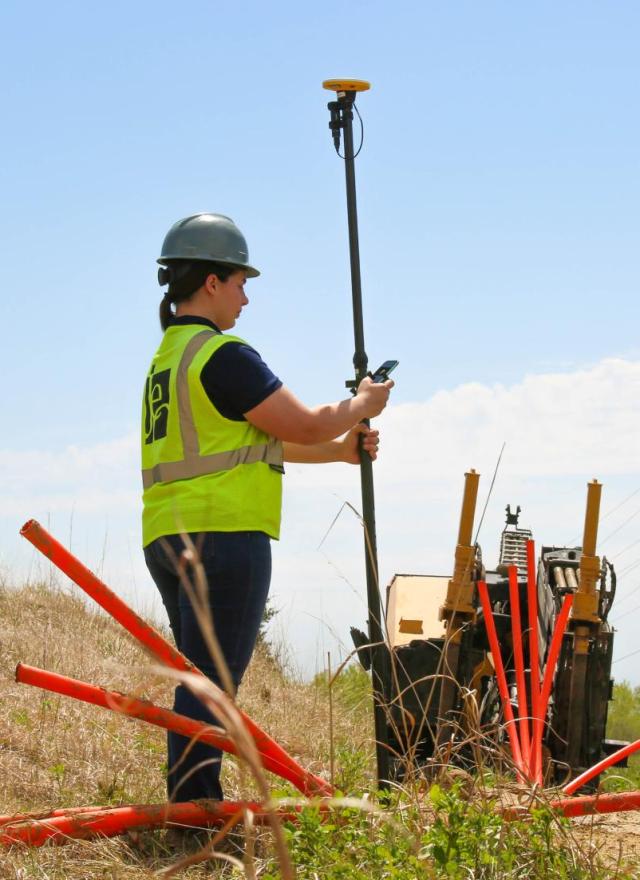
[{"x": 235, "y": 379}]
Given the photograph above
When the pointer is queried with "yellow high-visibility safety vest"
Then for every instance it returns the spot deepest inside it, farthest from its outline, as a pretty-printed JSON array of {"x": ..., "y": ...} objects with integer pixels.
[{"x": 202, "y": 472}]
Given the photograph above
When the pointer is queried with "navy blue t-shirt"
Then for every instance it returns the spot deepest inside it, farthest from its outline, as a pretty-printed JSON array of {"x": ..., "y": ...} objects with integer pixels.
[{"x": 235, "y": 378}]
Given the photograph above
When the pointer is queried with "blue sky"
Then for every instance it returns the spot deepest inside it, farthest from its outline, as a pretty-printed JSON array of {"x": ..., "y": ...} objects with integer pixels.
[{"x": 498, "y": 189}]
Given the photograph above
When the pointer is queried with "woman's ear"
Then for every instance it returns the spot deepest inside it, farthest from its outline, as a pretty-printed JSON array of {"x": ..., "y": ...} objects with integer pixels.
[{"x": 211, "y": 283}]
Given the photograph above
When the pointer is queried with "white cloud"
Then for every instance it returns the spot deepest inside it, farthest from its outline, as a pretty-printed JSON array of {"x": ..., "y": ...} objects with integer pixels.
[
  {"x": 557, "y": 424},
  {"x": 103, "y": 477}
]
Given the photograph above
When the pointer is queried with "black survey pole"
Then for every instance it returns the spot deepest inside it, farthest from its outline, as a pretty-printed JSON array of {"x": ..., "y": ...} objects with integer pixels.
[{"x": 342, "y": 120}]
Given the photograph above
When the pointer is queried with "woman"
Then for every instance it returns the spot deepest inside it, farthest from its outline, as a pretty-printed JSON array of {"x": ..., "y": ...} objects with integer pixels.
[{"x": 217, "y": 426}]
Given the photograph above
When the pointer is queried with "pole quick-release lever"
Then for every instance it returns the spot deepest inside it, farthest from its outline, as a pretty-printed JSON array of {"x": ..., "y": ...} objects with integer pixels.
[
  {"x": 341, "y": 113},
  {"x": 335, "y": 123}
]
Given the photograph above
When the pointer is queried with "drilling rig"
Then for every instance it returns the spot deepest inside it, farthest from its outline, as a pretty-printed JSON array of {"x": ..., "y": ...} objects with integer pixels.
[{"x": 443, "y": 685}]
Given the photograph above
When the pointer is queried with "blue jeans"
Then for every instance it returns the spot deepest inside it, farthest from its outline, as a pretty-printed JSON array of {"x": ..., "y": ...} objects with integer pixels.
[{"x": 238, "y": 570}]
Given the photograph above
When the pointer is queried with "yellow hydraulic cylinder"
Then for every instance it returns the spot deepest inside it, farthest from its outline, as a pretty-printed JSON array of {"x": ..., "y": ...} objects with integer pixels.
[
  {"x": 468, "y": 512},
  {"x": 458, "y": 608},
  {"x": 591, "y": 517},
  {"x": 585, "y": 624},
  {"x": 585, "y": 605},
  {"x": 458, "y": 604}
]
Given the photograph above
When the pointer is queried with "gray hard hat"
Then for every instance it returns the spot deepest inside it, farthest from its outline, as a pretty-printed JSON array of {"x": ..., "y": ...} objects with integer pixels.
[{"x": 211, "y": 237}]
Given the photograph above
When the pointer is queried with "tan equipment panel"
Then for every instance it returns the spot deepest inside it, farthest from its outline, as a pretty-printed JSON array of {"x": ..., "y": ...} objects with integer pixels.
[{"x": 413, "y": 603}]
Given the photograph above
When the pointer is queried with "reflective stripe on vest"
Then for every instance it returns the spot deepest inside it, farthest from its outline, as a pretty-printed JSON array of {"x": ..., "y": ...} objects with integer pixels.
[{"x": 193, "y": 464}]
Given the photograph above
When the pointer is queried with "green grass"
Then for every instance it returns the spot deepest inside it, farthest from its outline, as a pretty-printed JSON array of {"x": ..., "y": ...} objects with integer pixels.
[
  {"x": 444, "y": 835},
  {"x": 623, "y": 723}
]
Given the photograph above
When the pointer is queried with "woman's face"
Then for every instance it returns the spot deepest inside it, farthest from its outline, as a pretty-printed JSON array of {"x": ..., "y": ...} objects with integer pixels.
[{"x": 227, "y": 298}]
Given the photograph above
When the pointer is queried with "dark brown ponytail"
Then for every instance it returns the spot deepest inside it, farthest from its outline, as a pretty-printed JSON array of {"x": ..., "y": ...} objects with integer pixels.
[
  {"x": 165, "y": 311},
  {"x": 184, "y": 277}
]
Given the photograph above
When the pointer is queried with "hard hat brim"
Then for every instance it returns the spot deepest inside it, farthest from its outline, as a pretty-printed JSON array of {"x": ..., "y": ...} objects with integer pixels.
[{"x": 250, "y": 271}]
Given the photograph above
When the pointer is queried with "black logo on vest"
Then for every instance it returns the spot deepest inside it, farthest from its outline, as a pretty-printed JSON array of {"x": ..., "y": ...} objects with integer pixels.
[{"x": 156, "y": 405}]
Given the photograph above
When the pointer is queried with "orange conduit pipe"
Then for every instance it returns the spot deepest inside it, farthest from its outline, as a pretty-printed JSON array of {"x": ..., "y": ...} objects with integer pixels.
[
  {"x": 600, "y": 767},
  {"x": 150, "y": 638},
  {"x": 534, "y": 661},
  {"x": 599, "y": 803},
  {"x": 61, "y": 826},
  {"x": 573, "y": 807},
  {"x": 112, "y": 821},
  {"x": 143, "y": 710},
  {"x": 43, "y": 814},
  {"x": 501, "y": 677},
  {"x": 158, "y": 646},
  {"x": 549, "y": 670},
  {"x": 518, "y": 657}
]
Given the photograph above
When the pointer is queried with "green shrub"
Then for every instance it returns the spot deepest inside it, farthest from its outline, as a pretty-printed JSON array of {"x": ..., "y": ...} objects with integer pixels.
[
  {"x": 623, "y": 723},
  {"x": 449, "y": 835}
]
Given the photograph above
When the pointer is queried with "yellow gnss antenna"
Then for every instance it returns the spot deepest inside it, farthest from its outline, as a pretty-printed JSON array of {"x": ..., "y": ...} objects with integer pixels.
[{"x": 346, "y": 85}]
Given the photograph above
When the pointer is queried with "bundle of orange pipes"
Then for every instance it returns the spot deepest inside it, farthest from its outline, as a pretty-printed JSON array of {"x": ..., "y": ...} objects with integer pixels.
[{"x": 525, "y": 739}]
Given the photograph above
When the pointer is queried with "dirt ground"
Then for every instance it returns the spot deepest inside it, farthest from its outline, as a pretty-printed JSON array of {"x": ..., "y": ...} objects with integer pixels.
[{"x": 616, "y": 836}]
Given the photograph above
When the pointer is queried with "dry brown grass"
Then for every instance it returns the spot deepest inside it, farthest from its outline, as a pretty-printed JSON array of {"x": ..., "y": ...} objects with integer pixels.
[{"x": 58, "y": 752}]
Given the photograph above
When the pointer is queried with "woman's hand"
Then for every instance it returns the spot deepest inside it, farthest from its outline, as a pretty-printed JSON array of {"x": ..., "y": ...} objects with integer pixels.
[
  {"x": 350, "y": 443},
  {"x": 373, "y": 396}
]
